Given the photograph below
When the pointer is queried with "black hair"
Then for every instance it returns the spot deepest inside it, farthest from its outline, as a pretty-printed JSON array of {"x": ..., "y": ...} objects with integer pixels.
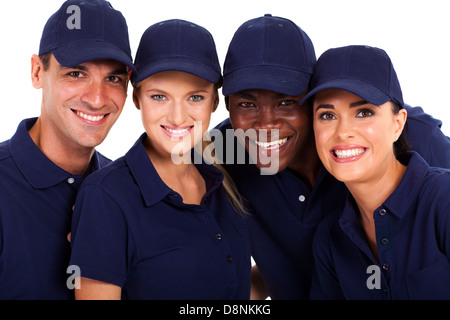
[{"x": 401, "y": 145}]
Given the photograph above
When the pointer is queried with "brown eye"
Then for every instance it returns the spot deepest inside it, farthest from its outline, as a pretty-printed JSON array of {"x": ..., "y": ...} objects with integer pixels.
[
  {"x": 365, "y": 113},
  {"x": 327, "y": 116},
  {"x": 246, "y": 105}
]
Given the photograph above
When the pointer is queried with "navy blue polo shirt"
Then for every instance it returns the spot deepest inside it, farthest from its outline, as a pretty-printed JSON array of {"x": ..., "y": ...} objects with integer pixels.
[
  {"x": 36, "y": 199},
  {"x": 286, "y": 212},
  {"x": 426, "y": 137},
  {"x": 413, "y": 241},
  {"x": 130, "y": 229}
]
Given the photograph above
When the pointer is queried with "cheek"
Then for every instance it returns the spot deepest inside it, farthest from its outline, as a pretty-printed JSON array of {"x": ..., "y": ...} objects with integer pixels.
[
  {"x": 322, "y": 136},
  {"x": 240, "y": 120},
  {"x": 376, "y": 135},
  {"x": 149, "y": 115},
  {"x": 118, "y": 97}
]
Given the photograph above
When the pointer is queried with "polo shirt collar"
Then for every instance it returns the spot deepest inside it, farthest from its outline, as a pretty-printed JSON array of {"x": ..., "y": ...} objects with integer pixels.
[
  {"x": 407, "y": 191},
  {"x": 38, "y": 170},
  {"x": 152, "y": 187}
]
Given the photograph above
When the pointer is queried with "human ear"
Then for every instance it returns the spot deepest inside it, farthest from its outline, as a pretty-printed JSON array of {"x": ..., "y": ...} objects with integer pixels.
[
  {"x": 36, "y": 71},
  {"x": 400, "y": 121},
  {"x": 216, "y": 101},
  {"x": 227, "y": 103},
  {"x": 136, "y": 99}
]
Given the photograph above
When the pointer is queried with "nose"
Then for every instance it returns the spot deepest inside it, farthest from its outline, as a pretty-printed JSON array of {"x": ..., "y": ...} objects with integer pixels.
[
  {"x": 267, "y": 119},
  {"x": 176, "y": 113},
  {"x": 96, "y": 94},
  {"x": 345, "y": 129}
]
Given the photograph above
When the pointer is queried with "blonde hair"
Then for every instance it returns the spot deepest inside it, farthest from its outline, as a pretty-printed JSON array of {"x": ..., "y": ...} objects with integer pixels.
[{"x": 236, "y": 199}]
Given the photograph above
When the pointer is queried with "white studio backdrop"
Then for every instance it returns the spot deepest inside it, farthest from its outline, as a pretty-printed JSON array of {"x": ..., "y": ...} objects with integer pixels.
[{"x": 415, "y": 34}]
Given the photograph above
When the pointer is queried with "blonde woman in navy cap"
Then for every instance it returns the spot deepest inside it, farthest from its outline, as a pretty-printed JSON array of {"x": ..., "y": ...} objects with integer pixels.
[
  {"x": 392, "y": 239},
  {"x": 162, "y": 222}
]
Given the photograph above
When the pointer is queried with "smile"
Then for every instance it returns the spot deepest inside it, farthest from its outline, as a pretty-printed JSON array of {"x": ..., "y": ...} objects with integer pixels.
[
  {"x": 177, "y": 132},
  {"x": 272, "y": 144},
  {"x": 89, "y": 117},
  {"x": 349, "y": 153}
]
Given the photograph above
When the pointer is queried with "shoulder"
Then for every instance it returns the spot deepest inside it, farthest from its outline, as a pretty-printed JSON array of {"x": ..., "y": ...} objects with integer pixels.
[
  {"x": 437, "y": 182},
  {"x": 416, "y": 116},
  {"x": 326, "y": 228},
  {"x": 112, "y": 174},
  {"x": 426, "y": 137},
  {"x": 102, "y": 160},
  {"x": 225, "y": 124},
  {"x": 4, "y": 150}
]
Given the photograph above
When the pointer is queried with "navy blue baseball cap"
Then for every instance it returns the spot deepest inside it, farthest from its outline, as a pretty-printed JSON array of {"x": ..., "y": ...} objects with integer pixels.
[
  {"x": 362, "y": 70},
  {"x": 85, "y": 30},
  {"x": 270, "y": 53},
  {"x": 177, "y": 45}
]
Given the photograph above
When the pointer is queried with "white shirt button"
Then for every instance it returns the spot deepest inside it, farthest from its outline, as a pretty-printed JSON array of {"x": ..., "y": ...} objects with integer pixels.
[
  {"x": 302, "y": 198},
  {"x": 70, "y": 180}
]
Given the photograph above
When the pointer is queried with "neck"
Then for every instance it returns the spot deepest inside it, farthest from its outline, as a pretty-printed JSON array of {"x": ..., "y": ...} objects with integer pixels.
[
  {"x": 164, "y": 164},
  {"x": 371, "y": 194},
  {"x": 65, "y": 154},
  {"x": 183, "y": 178},
  {"x": 307, "y": 164}
]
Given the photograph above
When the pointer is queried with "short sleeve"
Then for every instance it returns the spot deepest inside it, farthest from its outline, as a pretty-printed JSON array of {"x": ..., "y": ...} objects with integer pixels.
[{"x": 99, "y": 237}]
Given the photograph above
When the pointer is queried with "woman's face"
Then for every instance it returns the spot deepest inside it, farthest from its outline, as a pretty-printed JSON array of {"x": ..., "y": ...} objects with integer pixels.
[
  {"x": 354, "y": 138},
  {"x": 171, "y": 103}
]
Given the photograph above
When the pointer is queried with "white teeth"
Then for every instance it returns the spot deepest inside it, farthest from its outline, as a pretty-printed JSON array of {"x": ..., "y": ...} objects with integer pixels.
[
  {"x": 349, "y": 153},
  {"x": 180, "y": 131},
  {"x": 89, "y": 117},
  {"x": 271, "y": 144}
]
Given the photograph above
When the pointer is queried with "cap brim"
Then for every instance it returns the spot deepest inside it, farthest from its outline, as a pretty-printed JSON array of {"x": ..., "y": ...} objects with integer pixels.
[
  {"x": 363, "y": 89},
  {"x": 79, "y": 52},
  {"x": 286, "y": 81},
  {"x": 177, "y": 64}
]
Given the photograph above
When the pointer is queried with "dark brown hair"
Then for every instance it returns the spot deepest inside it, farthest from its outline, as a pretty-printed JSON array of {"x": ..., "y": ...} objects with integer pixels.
[
  {"x": 45, "y": 59},
  {"x": 401, "y": 145}
]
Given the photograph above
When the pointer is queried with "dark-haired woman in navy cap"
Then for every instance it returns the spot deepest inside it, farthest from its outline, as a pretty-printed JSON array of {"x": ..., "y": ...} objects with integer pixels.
[{"x": 392, "y": 239}]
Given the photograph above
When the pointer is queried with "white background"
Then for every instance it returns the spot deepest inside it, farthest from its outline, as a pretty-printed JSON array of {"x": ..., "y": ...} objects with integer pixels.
[{"x": 415, "y": 34}]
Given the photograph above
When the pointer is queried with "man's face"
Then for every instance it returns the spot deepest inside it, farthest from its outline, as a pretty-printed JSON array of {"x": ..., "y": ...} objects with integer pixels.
[
  {"x": 287, "y": 123},
  {"x": 81, "y": 103}
]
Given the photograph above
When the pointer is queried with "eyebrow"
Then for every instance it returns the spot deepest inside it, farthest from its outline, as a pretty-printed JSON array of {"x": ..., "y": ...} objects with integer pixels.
[
  {"x": 352, "y": 105},
  {"x": 119, "y": 71},
  {"x": 358, "y": 103},
  {"x": 245, "y": 95}
]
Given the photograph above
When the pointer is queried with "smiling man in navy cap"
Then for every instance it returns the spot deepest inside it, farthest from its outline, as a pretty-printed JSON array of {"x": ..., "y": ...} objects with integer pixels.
[
  {"x": 267, "y": 71},
  {"x": 83, "y": 70}
]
